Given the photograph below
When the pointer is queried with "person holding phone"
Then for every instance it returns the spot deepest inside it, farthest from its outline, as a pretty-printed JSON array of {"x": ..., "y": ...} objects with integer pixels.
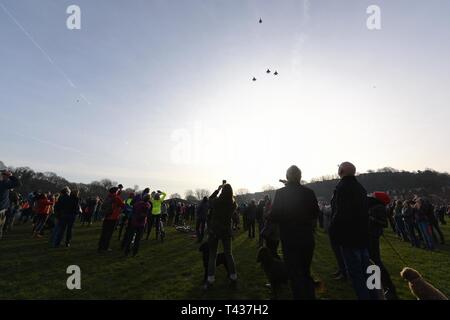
[{"x": 219, "y": 229}]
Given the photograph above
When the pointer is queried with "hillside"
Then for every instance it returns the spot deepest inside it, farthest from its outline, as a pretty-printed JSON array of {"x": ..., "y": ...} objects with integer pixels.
[{"x": 400, "y": 184}]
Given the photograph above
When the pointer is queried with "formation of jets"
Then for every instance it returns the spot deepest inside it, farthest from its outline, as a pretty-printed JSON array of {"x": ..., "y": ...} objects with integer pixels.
[{"x": 268, "y": 70}]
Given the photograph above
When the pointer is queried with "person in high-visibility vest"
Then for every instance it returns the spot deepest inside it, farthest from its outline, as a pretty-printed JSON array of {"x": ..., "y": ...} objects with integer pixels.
[{"x": 157, "y": 200}]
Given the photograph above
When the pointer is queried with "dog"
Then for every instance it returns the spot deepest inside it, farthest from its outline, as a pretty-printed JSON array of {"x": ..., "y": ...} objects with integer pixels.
[
  {"x": 419, "y": 287},
  {"x": 276, "y": 272},
  {"x": 220, "y": 260}
]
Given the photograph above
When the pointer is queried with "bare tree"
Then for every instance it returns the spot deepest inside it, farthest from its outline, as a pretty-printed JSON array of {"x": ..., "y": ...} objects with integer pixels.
[
  {"x": 201, "y": 193},
  {"x": 175, "y": 196},
  {"x": 189, "y": 194}
]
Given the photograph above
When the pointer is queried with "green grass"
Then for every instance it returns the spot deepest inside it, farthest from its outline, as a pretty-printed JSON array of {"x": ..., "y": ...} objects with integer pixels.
[{"x": 30, "y": 269}]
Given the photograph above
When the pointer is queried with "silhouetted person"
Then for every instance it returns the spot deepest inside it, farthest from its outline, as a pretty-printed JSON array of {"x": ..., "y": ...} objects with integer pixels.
[
  {"x": 295, "y": 210},
  {"x": 138, "y": 217},
  {"x": 7, "y": 182},
  {"x": 111, "y": 208},
  {"x": 260, "y": 219},
  {"x": 200, "y": 223},
  {"x": 219, "y": 229},
  {"x": 349, "y": 228},
  {"x": 251, "y": 219},
  {"x": 66, "y": 208}
]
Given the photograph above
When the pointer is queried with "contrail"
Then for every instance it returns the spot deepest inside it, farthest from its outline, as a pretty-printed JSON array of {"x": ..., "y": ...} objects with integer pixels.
[
  {"x": 52, "y": 144},
  {"x": 46, "y": 55}
]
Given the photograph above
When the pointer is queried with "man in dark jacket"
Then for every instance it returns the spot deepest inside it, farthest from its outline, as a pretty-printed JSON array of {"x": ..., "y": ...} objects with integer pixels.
[
  {"x": 66, "y": 210},
  {"x": 7, "y": 182},
  {"x": 251, "y": 218},
  {"x": 349, "y": 228},
  {"x": 202, "y": 213},
  {"x": 295, "y": 210}
]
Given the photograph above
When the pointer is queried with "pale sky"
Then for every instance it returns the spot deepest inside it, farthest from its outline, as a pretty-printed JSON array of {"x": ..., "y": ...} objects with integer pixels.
[{"x": 159, "y": 93}]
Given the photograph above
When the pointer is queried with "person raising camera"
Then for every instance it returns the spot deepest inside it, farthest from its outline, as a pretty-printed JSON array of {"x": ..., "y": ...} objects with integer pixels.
[{"x": 219, "y": 228}]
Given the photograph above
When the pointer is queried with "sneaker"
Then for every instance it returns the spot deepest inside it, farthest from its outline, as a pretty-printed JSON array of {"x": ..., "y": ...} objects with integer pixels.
[{"x": 67, "y": 245}]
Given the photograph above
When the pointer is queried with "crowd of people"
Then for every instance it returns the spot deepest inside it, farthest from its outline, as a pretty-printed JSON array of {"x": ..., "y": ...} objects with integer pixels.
[{"x": 353, "y": 220}]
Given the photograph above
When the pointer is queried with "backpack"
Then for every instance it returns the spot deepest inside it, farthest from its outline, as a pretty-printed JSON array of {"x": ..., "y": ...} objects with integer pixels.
[{"x": 107, "y": 207}]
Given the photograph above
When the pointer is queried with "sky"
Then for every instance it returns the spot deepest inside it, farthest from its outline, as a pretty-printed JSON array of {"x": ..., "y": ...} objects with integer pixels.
[{"x": 159, "y": 93}]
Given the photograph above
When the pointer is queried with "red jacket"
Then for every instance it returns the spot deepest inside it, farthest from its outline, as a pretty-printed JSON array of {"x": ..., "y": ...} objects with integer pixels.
[
  {"x": 43, "y": 206},
  {"x": 117, "y": 207}
]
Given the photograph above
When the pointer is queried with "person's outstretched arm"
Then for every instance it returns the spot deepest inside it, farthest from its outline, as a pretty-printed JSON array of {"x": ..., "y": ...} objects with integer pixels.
[
  {"x": 163, "y": 196},
  {"x": 215, "y": 193}
]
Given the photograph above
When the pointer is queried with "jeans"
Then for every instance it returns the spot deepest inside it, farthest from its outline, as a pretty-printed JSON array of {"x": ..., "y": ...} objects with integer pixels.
[
  {"x": 435, "y": 227},
  {"x": 55, "y": 232},
  {"x": 400, "y": 227},
  {"x": 424, "y": 227},
  {"x": 356, "y": 262},
  {"x": 65, "y": 225},
  {"x": 298, "y": 258},
  {"x": 106, "y": 235},
  {"x": 410, "y": 228},
  {"x": 213, "y": 243}
]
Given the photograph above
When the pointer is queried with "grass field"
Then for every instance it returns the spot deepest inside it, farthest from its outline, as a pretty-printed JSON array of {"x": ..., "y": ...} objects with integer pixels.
[{"x": 30, "y": 269}]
